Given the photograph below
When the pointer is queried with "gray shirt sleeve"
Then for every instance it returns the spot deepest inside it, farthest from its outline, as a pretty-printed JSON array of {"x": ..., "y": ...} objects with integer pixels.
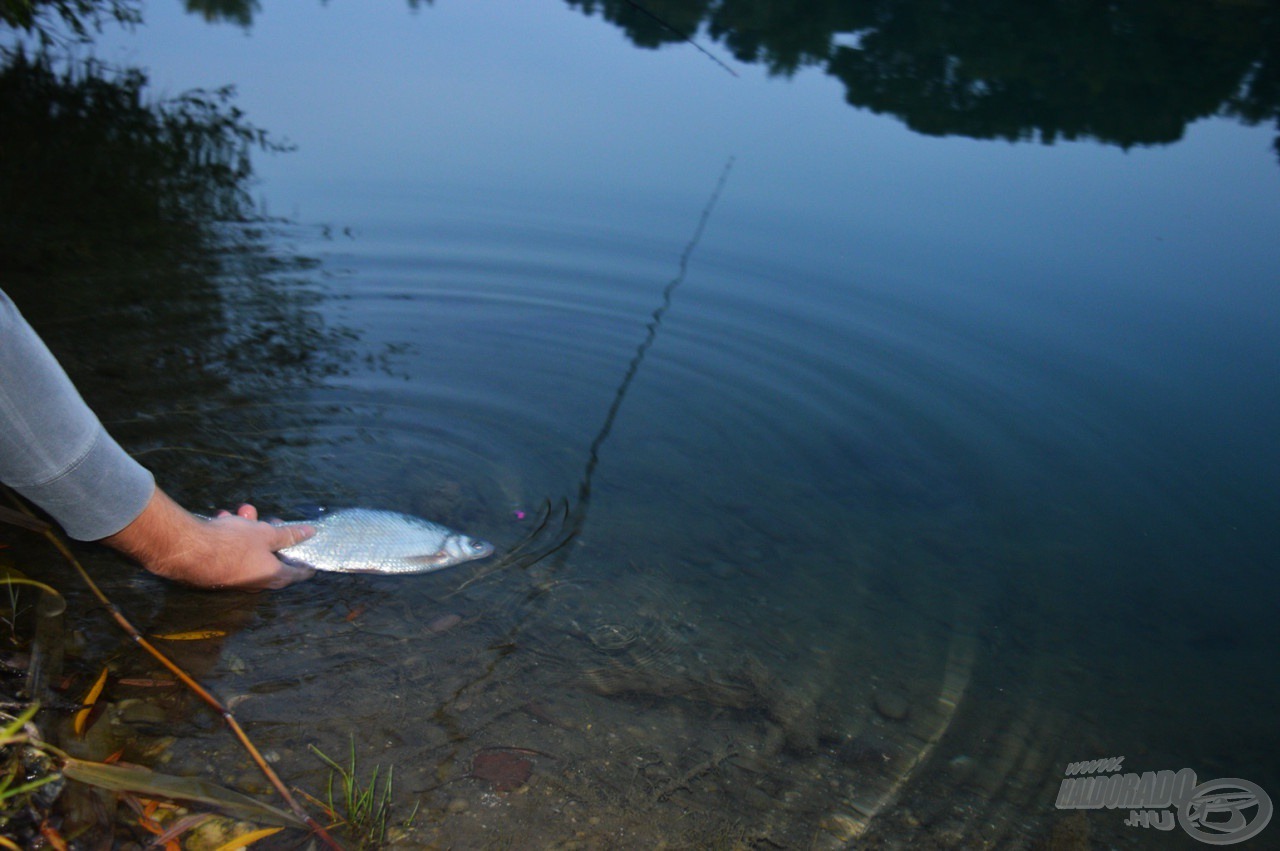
[{"x": 53, "y": 449}]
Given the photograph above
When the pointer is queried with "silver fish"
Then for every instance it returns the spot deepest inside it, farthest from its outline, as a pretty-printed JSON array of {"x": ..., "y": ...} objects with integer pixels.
[{"x": 367, "y": 540}]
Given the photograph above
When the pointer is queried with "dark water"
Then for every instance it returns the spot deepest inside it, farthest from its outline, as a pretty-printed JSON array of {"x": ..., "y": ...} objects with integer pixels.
[{"x": 909, "y": 458}]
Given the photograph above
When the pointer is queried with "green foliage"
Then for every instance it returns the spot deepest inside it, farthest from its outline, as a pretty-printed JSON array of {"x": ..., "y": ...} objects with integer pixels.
[
  {"x": 29, "y": 778},
  {"x": 11, "y": 796},
  {"x": 365, "y": 811}
]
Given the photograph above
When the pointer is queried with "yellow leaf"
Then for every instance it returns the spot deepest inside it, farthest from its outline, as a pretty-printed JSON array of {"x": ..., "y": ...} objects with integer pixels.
[
  {"x": 89, "y": 700},
  {"x": 244, "y": 840},
  {"x": 194, "y": 635}
]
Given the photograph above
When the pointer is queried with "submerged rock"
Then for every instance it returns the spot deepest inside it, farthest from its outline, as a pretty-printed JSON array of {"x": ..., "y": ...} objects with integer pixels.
[
  {"x": 501, "y": 769},
  {"x": 891, "y": 704},
  {"x": 868, "y": 749}
]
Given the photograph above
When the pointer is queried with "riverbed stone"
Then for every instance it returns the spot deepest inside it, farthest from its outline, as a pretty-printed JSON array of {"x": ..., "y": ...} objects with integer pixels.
[{"x": 891, "y": 704}]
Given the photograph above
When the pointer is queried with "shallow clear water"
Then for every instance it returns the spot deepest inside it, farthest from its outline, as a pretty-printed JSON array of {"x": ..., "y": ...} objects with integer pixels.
[{"x": 901, "y": 471}]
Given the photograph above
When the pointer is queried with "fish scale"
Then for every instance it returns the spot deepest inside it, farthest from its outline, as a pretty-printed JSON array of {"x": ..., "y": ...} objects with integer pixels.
[{"x": 368, "y": 540}]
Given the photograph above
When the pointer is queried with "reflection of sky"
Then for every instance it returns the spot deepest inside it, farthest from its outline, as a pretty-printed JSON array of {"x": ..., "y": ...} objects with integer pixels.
[
  {"x": 540, "y": 101},
  {"x": 540, "y": 98},
  {"x": 1110, "y": 251}
]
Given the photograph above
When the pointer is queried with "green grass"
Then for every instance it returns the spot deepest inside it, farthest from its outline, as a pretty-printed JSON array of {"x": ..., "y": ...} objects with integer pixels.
[{"x": 364, "y": 809}]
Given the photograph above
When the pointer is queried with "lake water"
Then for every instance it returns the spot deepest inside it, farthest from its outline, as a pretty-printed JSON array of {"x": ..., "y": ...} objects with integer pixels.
[{"x": 849, "y": 481}]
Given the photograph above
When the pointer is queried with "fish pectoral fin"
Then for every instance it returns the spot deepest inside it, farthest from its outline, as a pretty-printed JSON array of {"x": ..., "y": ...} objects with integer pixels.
[{"x": 429, "y": 558}]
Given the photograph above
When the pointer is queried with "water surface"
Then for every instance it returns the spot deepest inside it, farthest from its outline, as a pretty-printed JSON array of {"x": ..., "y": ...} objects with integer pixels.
[{"x": 902, "y": 468}]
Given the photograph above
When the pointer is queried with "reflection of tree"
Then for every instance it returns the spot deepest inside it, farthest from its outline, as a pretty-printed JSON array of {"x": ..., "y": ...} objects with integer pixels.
[
  {"x": 1258, "y": 98},
  {"x": 782, "y": 36},
  {"x": 1128, "y": 72},
  {"x": 650, "y": 23},
  {"x": 129, "y": 240},
  {"x": 233, "y": 11},
  {"x": 83, "y": 152},
  {"x": 36, "y": 17}
]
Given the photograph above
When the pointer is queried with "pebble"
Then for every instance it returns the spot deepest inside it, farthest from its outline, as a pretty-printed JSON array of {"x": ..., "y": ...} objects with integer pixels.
[
  {"x": 891, "y": 704},
  {"x": 140, "y": 712},
  {"x": 444, "y": 623},
  {"x": 960, "y": 767},
  {"x": 457, "y": 805}
]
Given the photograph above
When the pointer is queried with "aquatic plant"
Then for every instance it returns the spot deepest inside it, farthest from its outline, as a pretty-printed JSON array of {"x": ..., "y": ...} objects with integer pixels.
[
  {"x": 33, "y": 774},
  {"x": 138, "y": 778},
  {"x": 363, "y": 809}
]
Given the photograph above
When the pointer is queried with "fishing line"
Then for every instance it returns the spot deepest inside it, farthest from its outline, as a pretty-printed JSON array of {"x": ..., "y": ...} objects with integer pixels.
[
  {"x": 666, "y": 26},
  {"x": 593, "y": 454},
  {"x": 574, "y": 518}
]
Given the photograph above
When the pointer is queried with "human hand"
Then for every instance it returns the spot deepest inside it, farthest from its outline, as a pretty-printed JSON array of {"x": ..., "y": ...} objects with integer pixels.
[
  {"x": 244, "y": 550},
  {"x": 228, "y": 551}
]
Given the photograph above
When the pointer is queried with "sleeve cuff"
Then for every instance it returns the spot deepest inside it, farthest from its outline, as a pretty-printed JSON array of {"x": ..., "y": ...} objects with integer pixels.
[{"x": 103, "y": 492}]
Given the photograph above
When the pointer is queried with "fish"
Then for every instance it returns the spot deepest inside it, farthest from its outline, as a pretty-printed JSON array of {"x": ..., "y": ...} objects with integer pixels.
[{"x": 372, "y": 540}]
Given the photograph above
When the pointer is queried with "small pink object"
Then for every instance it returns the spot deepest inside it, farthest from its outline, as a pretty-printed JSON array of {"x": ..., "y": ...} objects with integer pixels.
[{"x": 519, "y": 514}]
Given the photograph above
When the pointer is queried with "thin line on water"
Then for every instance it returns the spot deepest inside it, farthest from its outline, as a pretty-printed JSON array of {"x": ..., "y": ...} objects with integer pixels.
[{"x": 593, "y": 456}]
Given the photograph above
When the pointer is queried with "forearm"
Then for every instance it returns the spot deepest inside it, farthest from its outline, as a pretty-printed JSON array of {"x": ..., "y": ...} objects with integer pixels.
[
  {"x": 229, "y": 551},
  {"x": 55, "y": 452},
  {"x": 53, "y": 449},
  {"x": 161, "y": 537}
]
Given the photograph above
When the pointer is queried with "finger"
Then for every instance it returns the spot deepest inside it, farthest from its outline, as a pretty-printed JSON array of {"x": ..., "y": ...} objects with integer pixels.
[
  {"x": 287, "y": 536},
  {"x": 247, "y": 511},
  {"x": 285, "y": 575},
  {"x": 288, "y": 575},
  {"x": 222, "y": 512}
]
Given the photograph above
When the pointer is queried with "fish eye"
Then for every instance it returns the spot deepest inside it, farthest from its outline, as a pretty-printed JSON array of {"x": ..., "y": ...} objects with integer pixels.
[{"x": 477, "y": 545}]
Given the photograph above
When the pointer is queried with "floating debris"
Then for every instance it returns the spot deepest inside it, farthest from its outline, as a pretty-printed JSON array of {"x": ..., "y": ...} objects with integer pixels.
[
  {"x": 90, "y": 699},
  {"x": 194, "y": 635}
]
